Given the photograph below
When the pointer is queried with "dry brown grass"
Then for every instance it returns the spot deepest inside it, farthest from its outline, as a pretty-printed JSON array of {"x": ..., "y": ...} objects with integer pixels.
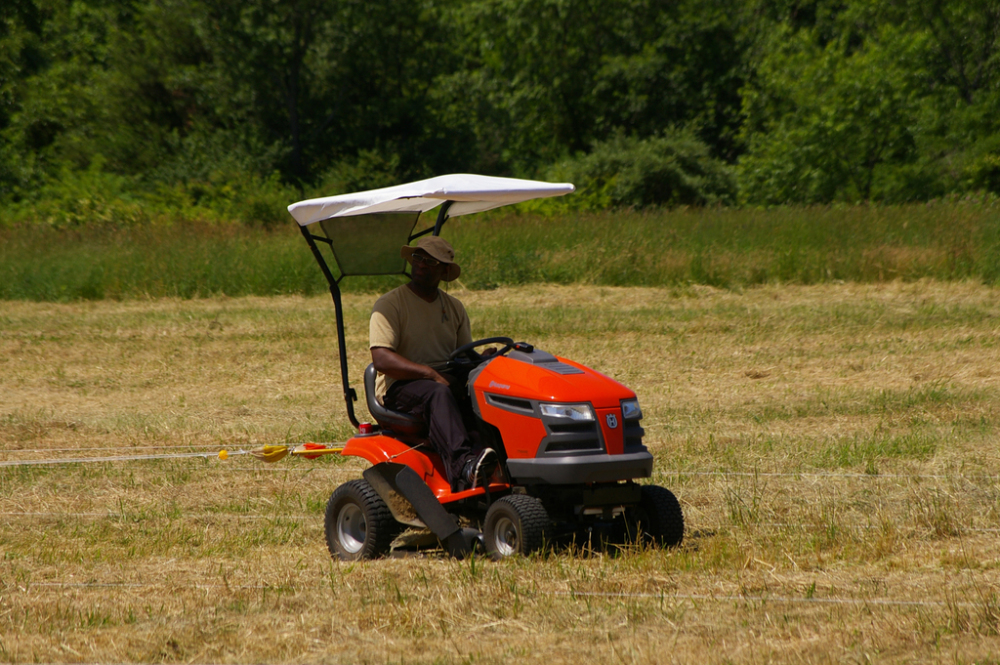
[{"x": 863, "y": 528}]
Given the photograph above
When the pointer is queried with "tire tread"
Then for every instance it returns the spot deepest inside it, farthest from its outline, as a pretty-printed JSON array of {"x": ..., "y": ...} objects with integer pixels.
[
  {"x": 663, "y": 512},
  {"x": 382, "y": 526},
  {"x": 533, "y": 519}
]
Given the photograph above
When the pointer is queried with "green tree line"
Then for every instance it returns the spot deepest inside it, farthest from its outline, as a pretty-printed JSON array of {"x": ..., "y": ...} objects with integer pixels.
[{"x": 122, "y": 110}]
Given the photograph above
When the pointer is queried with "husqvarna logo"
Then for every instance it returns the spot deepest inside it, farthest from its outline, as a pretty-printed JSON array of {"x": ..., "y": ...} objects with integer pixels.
[{"x": 612, "y": 420}]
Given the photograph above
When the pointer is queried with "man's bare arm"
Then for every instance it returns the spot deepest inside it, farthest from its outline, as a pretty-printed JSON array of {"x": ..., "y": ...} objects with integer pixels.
[{"x": 399, "y": 368}]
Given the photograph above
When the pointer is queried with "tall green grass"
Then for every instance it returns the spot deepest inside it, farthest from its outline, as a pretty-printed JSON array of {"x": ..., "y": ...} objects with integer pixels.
[
  {"x": 734, "y": 247},
  {"x": 720, "y": 247},
  {"x": 183, "y": 260}
]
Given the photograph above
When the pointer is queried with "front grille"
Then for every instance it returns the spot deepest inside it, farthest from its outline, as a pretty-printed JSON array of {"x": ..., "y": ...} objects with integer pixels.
[
  {"x": 571, "y": 437},
  {"x": 572, "y": 427},
  {"x": 633, "y": 433},
  {"x": 565, "y": 445}
]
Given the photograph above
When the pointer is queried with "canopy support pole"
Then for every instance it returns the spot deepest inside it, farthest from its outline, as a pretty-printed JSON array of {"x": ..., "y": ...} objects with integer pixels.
[
  {"x": 350, "y": 396},
  {"x": 442, "y": 216}
]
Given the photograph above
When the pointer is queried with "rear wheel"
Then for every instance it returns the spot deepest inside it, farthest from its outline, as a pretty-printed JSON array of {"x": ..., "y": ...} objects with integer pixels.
[
  {"x": 358, "y": 523},
  {"x": 657, "y": 519},
  {"x": 515, "y": 524}
]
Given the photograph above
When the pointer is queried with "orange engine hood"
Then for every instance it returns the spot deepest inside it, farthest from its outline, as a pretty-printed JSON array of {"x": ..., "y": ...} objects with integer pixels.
[{"x": 505, "y": 376}]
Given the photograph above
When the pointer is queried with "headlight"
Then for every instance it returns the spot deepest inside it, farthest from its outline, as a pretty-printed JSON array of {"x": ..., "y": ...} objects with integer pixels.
[
  {"x": 571, "y": 411},
  {"x": 631, "y": 410}
]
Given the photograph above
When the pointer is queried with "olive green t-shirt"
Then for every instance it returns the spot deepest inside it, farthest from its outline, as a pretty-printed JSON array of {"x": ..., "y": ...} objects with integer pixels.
[{"x": 420, "y": 331}]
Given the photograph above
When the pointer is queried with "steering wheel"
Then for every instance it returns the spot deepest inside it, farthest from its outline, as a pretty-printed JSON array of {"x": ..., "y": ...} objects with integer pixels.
[{"x": 471, "y": 356}]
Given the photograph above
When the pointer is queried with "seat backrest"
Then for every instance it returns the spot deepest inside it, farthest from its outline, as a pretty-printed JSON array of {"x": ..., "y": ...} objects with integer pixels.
[{"x": 398, "y": 423}]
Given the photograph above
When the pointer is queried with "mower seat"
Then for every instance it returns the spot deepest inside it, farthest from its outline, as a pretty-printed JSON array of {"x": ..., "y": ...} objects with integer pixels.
[{"x": 396, "y": 422}]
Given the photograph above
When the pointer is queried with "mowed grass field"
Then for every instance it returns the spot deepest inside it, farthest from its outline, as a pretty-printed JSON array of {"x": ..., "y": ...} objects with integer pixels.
[{"x": 834, "y": 448}]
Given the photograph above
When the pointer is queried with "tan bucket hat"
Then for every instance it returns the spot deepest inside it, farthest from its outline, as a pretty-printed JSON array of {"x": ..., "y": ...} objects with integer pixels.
[{"x": 440, "y": 249}]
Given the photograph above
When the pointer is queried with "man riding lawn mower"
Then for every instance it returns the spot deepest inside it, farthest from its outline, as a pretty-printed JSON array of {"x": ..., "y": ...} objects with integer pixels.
[{"x": 505, "y": 450}]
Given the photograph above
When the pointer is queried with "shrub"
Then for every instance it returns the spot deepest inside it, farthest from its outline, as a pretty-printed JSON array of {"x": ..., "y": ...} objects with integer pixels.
[
  {"x": 369, "y": 170},
  {"x": 669, "y": 170},
  {"x": 79, "y": 198}
]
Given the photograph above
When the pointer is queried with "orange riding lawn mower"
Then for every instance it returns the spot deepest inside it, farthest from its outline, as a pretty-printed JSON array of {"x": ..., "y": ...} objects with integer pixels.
[{"x": 568, "y": 438}]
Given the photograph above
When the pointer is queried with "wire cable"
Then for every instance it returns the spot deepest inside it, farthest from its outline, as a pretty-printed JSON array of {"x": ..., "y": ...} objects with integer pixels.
[
  {"x": 694, "y": 597},
  {"x": 116, "y": 458}
]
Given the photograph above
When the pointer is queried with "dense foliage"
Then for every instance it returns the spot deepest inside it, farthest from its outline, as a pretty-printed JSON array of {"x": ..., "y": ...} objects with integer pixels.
[{"x": 120, "y": 111}]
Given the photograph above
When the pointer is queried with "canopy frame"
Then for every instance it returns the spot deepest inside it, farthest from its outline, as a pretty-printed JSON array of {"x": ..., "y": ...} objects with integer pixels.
[
  {"x": 474, "y": 193},
  {"x": 350, "y": 394}
]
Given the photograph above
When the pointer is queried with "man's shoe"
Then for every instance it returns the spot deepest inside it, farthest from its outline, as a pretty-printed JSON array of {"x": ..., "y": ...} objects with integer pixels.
[{"x": 478, "y": 470}]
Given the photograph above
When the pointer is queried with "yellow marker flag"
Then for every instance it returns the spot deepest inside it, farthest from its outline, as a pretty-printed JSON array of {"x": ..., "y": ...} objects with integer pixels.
[{"x": 270, "y": 453}]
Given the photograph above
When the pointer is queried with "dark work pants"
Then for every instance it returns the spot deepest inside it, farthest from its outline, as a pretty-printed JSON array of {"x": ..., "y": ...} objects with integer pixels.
[{"x": 446, "y": 414}]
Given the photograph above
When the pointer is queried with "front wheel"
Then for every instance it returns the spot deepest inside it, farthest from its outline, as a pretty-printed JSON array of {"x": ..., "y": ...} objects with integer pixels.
[
  {"x": 515, "y": 524},
  {"x": 657, "y": 519},
  {"x": 358, "y": 523}
]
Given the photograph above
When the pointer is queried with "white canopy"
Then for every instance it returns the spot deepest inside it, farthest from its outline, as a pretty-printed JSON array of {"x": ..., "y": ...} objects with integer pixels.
[{"x": 470, "y": 193}]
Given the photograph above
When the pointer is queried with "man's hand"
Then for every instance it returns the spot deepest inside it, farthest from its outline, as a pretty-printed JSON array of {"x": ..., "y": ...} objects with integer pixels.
[
  {"x": 399, "y": 368},
  {"x": 438, "y": 378}
]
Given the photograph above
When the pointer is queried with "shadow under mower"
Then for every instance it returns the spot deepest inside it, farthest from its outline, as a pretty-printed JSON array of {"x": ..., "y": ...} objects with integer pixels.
[{"x": 569, "y": 439}]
